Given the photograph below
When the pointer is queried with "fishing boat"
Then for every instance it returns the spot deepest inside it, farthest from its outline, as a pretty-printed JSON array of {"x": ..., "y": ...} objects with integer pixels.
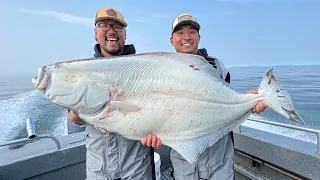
[{"x": 258, "y": 155}]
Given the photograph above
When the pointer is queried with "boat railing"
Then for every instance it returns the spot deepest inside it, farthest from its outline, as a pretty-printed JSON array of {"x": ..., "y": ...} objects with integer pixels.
[
  {"x": 31, "y": 137},
  {"x": 310, "y": 130},
  {"x": 32, "y": 133}
]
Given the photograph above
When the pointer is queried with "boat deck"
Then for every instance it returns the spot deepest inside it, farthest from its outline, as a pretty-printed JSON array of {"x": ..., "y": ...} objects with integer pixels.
[{"x": 258, "y": 155}]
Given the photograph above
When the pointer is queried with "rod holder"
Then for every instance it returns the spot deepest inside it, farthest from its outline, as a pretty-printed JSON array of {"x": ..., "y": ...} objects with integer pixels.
[
  {"x": 30, "y": 128},
  {"x": 31, "y": 137}
]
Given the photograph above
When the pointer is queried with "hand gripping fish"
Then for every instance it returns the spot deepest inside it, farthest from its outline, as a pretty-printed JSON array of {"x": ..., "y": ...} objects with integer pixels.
[{"x": 178, "y": 97}]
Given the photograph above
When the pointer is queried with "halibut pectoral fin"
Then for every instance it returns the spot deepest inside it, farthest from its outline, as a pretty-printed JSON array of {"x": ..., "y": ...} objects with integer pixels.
[
  {"x": 193, "y": 148},
  {"x": 124, "y": 107}
]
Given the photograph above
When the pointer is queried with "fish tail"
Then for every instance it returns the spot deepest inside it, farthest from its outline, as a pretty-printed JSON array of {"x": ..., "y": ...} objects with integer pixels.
[{"x": 277, "y": 98}]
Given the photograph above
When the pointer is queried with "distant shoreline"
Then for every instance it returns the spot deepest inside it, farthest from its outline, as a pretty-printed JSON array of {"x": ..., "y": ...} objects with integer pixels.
[{"x": 263, "y": 66}]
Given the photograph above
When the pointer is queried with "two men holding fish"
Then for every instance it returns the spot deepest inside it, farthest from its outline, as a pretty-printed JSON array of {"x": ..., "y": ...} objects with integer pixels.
[
  {"x": 112, "y": 156},
  {"x": 182, "y": 99}
]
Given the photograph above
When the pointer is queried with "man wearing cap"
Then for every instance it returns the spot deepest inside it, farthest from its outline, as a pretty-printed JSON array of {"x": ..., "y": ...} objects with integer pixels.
[
  {"x": 111, "y": 156},
  {"x": 217, "y": 161}
]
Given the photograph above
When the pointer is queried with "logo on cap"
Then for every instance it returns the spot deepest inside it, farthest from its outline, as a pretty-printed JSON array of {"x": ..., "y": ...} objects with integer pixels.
[
  {"x": 185, "y": 18},
  {"x": 111, "y": 12}
]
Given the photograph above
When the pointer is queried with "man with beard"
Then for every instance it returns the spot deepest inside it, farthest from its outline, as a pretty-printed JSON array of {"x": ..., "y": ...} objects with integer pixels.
[{"x": 111, "y": 156}]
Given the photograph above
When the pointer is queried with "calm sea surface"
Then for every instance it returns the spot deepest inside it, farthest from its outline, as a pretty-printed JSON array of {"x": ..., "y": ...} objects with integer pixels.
[{"x": 18, "y": 101}]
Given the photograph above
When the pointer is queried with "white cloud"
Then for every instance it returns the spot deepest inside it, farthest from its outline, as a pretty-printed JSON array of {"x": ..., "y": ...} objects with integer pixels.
[
  {"x": 63, "y": 16},
  {"x": 84, "y": 20}
]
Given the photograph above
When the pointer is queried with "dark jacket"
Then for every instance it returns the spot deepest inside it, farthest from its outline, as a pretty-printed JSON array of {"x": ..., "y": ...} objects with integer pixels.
[
  {"x": 113, "y": 156},
  {"x": 215, "y": 63},
  {"x": 127, "y": 50}
]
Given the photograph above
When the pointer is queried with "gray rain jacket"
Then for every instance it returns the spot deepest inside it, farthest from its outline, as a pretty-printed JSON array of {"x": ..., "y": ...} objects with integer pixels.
[
  {"x": 216, "y": 162},
  {"x": 113, "y": 156}
]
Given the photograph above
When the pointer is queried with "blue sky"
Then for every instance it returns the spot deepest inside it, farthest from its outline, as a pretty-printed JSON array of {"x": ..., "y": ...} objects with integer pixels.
[{"x": 239, "y": 32}]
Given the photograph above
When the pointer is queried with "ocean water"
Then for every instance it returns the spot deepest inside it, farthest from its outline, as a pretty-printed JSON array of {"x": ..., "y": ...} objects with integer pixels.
[{"x": 18, "y": 101}]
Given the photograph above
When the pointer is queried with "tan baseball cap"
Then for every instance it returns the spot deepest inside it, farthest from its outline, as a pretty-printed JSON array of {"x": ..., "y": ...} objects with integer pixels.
[
  {"x": 110, "y": 13},
  {"x": 184, "y": 19}
]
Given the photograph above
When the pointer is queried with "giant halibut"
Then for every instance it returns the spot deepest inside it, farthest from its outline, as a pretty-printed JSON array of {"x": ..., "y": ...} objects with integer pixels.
[{"x": 178, "y": 97}]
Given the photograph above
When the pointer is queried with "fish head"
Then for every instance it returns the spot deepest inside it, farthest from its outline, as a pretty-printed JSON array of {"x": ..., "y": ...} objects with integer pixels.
[
  {"x": 72, "y": 89},
  {"x": 41, "y": 81}
]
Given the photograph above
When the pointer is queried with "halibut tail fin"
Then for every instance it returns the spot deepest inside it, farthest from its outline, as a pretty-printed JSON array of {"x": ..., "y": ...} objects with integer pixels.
[{"x": 277, "y": 98}]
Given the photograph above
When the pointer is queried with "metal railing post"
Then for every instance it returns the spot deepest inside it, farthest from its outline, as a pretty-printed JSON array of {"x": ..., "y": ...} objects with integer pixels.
[
  {"x": 318, "y": 143},
  {"x": 315, "y": 131}
]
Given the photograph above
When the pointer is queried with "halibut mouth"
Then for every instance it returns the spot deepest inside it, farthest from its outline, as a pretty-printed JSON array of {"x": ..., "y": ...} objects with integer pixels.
[{"x": 41, "y": 81}]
